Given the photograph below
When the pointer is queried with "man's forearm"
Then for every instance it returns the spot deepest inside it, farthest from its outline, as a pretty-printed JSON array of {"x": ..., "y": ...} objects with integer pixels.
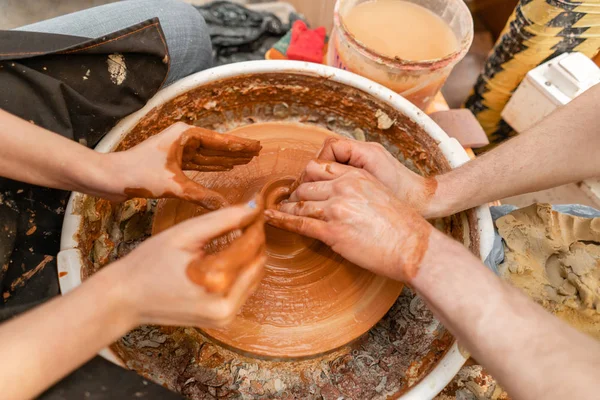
[
  {"x": 563, "y": 148},
  {"x": 34, "y": 155},
  {"x": 533, "y": 354},
  {"x": 43, "y": 345}
]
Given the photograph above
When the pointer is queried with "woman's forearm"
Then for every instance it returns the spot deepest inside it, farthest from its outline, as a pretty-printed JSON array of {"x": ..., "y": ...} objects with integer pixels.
[
  {"x": 35, "y": 155},
  {"x": 562, "y": 148},
  {"x": 43, "y": 345},
  {"x": 533, "y": 354}
]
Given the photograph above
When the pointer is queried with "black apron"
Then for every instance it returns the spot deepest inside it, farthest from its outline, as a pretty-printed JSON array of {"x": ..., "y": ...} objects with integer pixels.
[{"x": 79, "y": 88}]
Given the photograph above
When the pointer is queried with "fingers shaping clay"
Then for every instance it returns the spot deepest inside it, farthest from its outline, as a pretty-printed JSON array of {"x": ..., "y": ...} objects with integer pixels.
[
  {"x": 311, "y": 300},
  {"x": 217, "y": 271},
  {"x": 555, "y": 259},
  {"x": 206, "y": 150}
]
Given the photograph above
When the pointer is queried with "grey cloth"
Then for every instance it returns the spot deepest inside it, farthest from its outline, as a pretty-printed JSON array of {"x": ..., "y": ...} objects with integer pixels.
[
  {"x": 496, "y": 256},
  {"x": 185, "y": 31}
]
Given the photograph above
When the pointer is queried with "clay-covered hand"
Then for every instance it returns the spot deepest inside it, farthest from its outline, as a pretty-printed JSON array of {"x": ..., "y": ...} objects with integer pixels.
[
  {"x": 172, "y": 279},
  {"x": 359, "y": 217},
  {"x": 154, "y": 168},
  {"x": 375, "y": 159}
]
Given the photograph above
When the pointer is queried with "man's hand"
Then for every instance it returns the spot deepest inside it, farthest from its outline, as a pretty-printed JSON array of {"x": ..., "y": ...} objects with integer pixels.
[
  {"x": 171, "y": 280},
  {"x": 154, "y": 168},
  {"x": 406, "y": 185},
  {"x": 359, "y": 217}
]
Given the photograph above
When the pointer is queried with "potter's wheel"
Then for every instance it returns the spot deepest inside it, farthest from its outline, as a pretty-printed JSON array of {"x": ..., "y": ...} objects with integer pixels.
[{"x": 311, "y": 300}]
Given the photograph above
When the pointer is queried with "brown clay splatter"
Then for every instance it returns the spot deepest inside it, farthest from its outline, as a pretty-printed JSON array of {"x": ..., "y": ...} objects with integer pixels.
[
  {"x": 431, "y": 185},
  {"x": 20, "y": 281},
  {"x": 202, "y": 150},
  {"x": 416, "y": 244},
  {"x": 62, "y": 273}
]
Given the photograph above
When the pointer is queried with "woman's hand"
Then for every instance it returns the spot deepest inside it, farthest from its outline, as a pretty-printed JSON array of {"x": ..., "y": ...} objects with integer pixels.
[
  {"x": 170, "y": 279},
  {"x": 359, "y": 217},
  {"x": 406, "y": 185},
  {"x": 154, "y": 168}
]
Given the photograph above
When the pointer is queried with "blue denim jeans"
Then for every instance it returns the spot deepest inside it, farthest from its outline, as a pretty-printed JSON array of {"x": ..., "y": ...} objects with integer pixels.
[{"x": 184, "y": 28}]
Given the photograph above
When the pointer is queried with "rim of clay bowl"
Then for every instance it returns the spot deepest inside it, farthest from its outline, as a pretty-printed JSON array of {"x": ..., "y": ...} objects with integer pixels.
[{"x": 70, "y": 258}]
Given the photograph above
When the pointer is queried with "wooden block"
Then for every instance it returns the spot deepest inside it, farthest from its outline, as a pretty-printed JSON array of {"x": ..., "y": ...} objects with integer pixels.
[{"x": 463, "y": 126}]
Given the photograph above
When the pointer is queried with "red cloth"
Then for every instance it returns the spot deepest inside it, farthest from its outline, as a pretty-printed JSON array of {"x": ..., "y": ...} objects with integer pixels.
[{"x": 306, "y": 44}]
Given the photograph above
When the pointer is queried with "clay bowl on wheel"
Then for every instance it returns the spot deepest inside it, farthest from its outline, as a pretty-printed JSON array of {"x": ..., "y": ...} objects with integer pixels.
[{"x": 407, "y": 353}]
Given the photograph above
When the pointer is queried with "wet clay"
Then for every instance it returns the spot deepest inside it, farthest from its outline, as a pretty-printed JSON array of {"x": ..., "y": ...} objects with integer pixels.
[
  {"x": 555, "y": 259},
  {"x": 200, "y": 149},
  {"x": 311, "y": 300},
  {"x": 218, "y": 271}
]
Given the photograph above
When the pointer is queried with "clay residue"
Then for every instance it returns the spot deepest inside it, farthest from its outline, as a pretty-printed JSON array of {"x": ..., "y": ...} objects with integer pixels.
[
  {"x": 386, "y": 361},
  {"x": 204, "y": 150},
  {"x": 311, "y": 300},
  {"x": 555, "y": 259},
  {"x": 218, "y": 271},
  {"x": 200, "y": 149},
  {"x": 416, "y": 244},
  {"x": 117, "y": 69}
]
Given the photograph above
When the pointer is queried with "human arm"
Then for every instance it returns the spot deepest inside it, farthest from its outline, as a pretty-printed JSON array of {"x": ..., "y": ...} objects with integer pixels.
[
  {"x": 532, "y": 354},
  {"x": 562, "y": 148},
  {"x": 153, "y": 168},
  {"x": 154, "y": 284}
]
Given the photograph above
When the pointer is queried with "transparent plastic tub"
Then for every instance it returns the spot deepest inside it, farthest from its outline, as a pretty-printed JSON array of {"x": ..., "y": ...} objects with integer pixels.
[{"x": 417, "y": 81}]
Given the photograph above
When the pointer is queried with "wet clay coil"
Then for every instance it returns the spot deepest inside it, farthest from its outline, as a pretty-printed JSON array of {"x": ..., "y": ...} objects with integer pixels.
[{"x": 311, "y": 300}]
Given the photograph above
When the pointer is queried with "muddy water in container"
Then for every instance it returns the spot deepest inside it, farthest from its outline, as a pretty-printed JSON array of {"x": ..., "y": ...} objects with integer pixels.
[{"x": 408, "y": 46}]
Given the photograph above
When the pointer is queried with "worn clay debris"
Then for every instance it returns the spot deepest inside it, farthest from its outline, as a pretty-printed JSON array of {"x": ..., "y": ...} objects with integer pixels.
[
  {"x": 379, "y": 365},
  {"x": 472, "y": 383},
  {"x": 22, "y": 280},
  {"x": 555, "y": 259},
  {"x": 116, "y": 68},
  {"x": 383, "y": 120}
]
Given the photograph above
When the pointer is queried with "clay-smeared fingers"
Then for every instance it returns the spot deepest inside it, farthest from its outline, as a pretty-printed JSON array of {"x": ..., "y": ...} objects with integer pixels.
[
  {"x": 198, "y": 194},
  {"x": 196, "y": 138},
  {"x": 224, "y": 160},
  {"x": 312, "y": 191},
  {"x": 347, "y": 151},
  {"x": 217, "y": 272},
  {"x": 195, "y": 233},
  {"x": 312, "y": 209},
  {"x": 319, "y": 170},
  {"x": 190, "y": 166},
  {"x": 213, "y": 153},
  {"x": 247, "y": 282},
  {"x": 306, "y": 226}
]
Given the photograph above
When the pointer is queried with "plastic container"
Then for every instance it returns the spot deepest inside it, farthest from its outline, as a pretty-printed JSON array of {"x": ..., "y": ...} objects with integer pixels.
[
  {"x": 417, "y": 81},
  {"x": 537, "y": 31}
]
